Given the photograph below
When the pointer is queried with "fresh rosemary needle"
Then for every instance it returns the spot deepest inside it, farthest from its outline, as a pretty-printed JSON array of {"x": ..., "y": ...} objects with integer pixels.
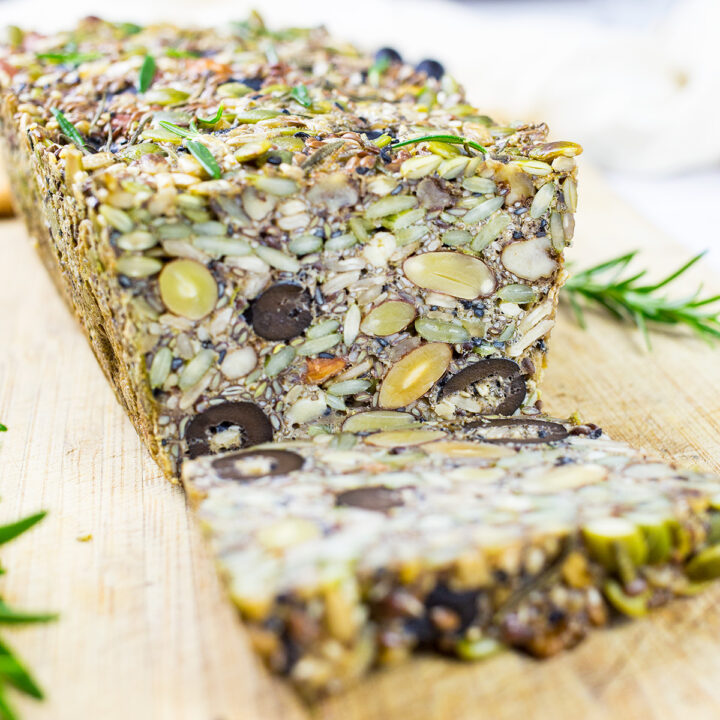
[
  {"x": 13, "y": 672},
  {"x": 627, "y": 298}
]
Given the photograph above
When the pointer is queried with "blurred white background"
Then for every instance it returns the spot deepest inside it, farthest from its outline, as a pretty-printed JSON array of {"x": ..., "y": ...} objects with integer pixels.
[{"x": 637, "y": 82}]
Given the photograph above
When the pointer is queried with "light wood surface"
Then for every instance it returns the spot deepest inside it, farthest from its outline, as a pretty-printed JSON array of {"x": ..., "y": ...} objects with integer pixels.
[{"x": 145, "y": 632}]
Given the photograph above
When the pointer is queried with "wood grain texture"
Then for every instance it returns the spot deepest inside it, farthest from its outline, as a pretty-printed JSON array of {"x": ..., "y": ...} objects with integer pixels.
[{"x": 145, "y": 631}]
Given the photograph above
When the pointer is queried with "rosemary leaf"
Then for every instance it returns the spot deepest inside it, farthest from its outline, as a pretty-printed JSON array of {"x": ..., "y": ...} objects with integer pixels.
[
  {"x": 453, "y": 139},
  {"x": 204, "y": 157},
  {"x": 147, "y": 73},
  {"x": 68, "y": 128},
  {"x": 6, "y": 711},
  {"x": 12, "y": 530},
  {"x": 177, "y": 130},
  {"x": 175, "y": 53},
  {"x": 11, "y": 616},
  {"x": 213, "y": 120},
  {"x": 627, "y": 299},
  {"x": 15, "y": 673},
  {"x": 301, "y": 94},
  {"x": 67, "y": 58}
]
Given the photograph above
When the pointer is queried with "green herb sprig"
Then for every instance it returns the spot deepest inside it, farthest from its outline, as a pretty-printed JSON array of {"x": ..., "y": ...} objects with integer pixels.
[
  {"x": 13, "y": 672},
  {"x": 3, "y": 428},
  {"x": 629, "y": 299},
  {"x": 69, "y": 130},
  {"x": 452, "y": 139},
  {"x": 72, "y": 57},
  {"x": 377, "y": 70},
  {"x": 147, "y": 74},
  {"x": 205, "y": 158},
  {"x": 301, "y": 94},
  {"x": 179, "y": 54},
  {"x": 214, "y": 120},
  {"x": 196, "y": 148}
]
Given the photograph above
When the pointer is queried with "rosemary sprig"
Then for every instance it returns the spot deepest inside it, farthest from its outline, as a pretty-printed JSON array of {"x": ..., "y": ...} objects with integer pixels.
[
  {"x": 147, "y": 73},
  {"x": 453, "y": 139},
  {"x": 72, "y": 57},
  {"x": 175, "y": 53},
  {"x": 12, "y": 670},
  {"x": 301, "y": 94},
  {"x": 204, "y": 157},
  {"x": 196, "y": 148},
  {"x": 68, "y": 129},
  {"x": 212, "y": 120},
  {"x": 626, "y": 298},
  {"x": 376, "y": 70}
]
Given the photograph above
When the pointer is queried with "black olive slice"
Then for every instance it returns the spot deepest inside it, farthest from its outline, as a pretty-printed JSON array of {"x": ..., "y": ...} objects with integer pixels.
[
  {"x": 254, "y": 424},
  {"x": 518, "y": 430},
  {"x": 433, "y": 68},
  {"x": 254, "y": 464},
  {"x": 282, "y": 312},
  {"x": 373, "y": 497},
  {"x": 506, "y": 373}
]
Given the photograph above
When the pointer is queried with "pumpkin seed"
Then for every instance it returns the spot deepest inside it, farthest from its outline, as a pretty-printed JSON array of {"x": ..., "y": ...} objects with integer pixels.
[
  {"x": 318, "y": 345},
  {"x": 490, "y": 232},
  {"x": 138, "y": 266},
  {"x": 441, "y": 331},
  {"x": 279, "y": 361},
  {"x": 160, "y": 367},
  {"x": 390, "y": 205},
  {"x": 483, "y": 210}
]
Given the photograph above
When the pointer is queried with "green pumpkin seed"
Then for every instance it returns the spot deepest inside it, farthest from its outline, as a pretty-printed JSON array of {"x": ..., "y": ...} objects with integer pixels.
[
  {"x": 277, "y": 259},
  {"x": 221, "y": 247},
  {"x": 321, "y": 329},
  {"x": 604, "y": 536},
  {"x": 318, "y": 345},
  {"x": 632, "y": 606},
  {"x": 390, "y": 205},
  {"x": 441, "y": 331},
  {"x": 490, "y": 232},
  {"x": 351, "y": 325},
  {"x": 419, "y": 166},
  {"x": 453, "y": 167},
  {"x": 456, "y": 237},
  {"x": 278, "y": 361},
  {"x": 358, "y": 229},
  {"x": 165, "y": 96},
  {"x": 374, "y": 420},
  {"x": 517, "y": 293},
  {"x": 233, "y": 90},
  {"x": 407, "y": 218},
  {"x": 557, "y": 234},
  {"x": 483, "y": 210},
  {"x": 160, "y": 367},
  {"x": 541, "y": 202},
  {"x": 481, "y": 185},
  {"x": 138, "y": 266},
  {"x": 474, "y": 650},
  {"x": 136, "y": 240},
  {"x": 569, "y": 189},
  {"x": 705, "y": 565},
  {"x": 280, "y": 187},
  {"x": 305, "y": 244},
  {"x": 196, "y": 368},
  {"x": 340, "y": 242},
  {"x": 256, "y": 115},
  {"x": 117, "y": 218},
  {"x": 349, "y": 387}
]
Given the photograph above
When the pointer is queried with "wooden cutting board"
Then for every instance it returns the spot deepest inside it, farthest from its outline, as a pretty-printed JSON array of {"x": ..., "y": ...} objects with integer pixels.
[{"x": 145, "y": 632}]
